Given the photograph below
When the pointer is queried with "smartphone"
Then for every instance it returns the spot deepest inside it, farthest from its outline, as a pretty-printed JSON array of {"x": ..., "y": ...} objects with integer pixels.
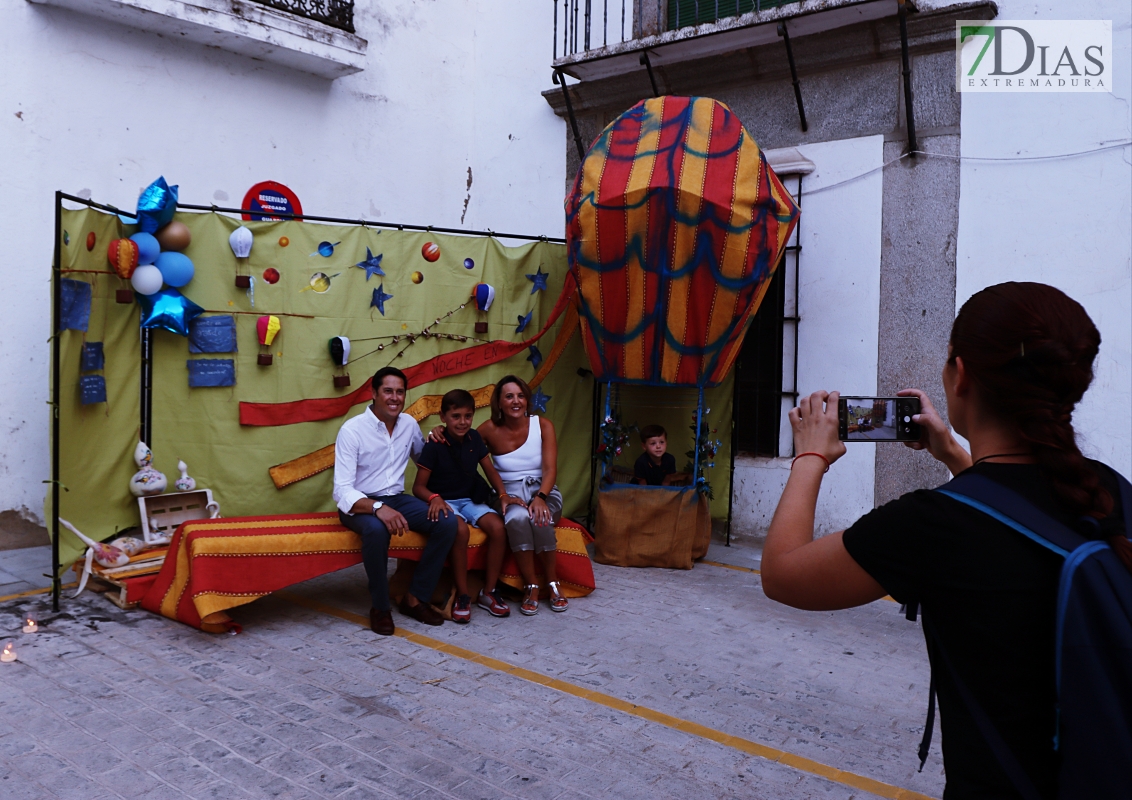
[{"x": 878, "y": 419}]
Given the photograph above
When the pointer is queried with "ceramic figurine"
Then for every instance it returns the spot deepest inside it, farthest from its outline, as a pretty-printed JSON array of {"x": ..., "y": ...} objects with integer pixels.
[
  {"x": 105, "y": 555},
  {"x": 129, "y": 545},
  {"x": 146, "y": 481},
  {"x": 184, "y": 483}
]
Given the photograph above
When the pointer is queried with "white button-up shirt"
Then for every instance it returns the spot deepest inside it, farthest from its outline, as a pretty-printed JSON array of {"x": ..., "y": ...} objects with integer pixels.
[{"x": 369, "y": 461}]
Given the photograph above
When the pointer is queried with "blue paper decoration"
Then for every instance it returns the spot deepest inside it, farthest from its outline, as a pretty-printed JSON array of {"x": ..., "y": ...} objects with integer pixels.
[
  {"x": 74, "y": 311},
  {"x": 379, "y": 298},
  {"x": 539, "y": 280},
  {"x": 213, "y": 334},
  {"x": 207, "y": 372},
  {"x": 524, "y": 321},
  {"x": 156, "y": 206},
  {"x": 168, "y": 309},
  {"x": 91, "y": 358},
  {"x": 372, "y": 264},
  {"x": 92, "y": 389},
  {"x": 535, "y": 357},
  {"x": 539, "y": 400}
]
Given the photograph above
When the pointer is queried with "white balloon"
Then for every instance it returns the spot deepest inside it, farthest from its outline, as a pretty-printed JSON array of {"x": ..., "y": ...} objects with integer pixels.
[
  {"x": 147, "y": 280},
  {"x": 241, "y": 242}
]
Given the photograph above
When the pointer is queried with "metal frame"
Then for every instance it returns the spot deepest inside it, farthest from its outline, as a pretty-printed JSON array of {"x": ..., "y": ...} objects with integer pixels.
[{"x": 146, "y": 349}]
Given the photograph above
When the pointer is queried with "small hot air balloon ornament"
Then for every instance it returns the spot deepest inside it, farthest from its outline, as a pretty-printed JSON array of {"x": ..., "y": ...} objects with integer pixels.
[
  {"x": 484, "y": 295},
  {"x": 340, "y": 355},
  {"x": 241, "y": 241},
  {"x": 266, "y": 328},
  {"x": 146, "y": 481}
]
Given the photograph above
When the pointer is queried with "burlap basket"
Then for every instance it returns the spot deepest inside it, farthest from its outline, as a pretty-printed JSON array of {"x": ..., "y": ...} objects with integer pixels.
[{"x": 639, "y": 526}]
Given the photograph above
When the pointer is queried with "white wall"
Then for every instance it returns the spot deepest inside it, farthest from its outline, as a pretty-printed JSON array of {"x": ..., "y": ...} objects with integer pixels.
[
  {"x": 1064, "y": 222},
  {"x": 98, "y": 109},
  {"x": 839, "y": 298}
]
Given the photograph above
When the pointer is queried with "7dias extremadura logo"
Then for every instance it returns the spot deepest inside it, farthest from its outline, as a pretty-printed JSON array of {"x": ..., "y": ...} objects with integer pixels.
[{"x": 1033, "y": 56}]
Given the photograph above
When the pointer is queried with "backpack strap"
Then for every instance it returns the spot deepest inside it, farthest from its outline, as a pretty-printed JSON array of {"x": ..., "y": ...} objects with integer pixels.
[{"x": 1010, "y": 508}]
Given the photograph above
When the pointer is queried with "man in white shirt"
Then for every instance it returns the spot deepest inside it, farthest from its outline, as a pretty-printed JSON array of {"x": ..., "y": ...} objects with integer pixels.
[{"x": 370, "y": 456}]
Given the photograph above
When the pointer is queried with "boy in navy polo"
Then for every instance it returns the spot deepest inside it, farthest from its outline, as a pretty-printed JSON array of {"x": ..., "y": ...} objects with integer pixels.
[
  {"x": 656, "y": 466},
  {"x": 447, "y": 479}
]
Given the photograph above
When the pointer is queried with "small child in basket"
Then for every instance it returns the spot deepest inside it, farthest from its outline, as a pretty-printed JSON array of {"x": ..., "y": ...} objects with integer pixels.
[
  {"x": 656, "y": 466},
  {"x": 448, "y": 481}
]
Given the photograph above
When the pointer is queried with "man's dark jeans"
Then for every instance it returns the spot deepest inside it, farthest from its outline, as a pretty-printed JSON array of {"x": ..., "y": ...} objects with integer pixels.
[{"x": 375, "y": 547}]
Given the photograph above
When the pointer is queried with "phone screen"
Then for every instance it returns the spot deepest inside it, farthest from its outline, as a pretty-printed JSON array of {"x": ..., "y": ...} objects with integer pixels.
[{"x": 878, "y": 419}]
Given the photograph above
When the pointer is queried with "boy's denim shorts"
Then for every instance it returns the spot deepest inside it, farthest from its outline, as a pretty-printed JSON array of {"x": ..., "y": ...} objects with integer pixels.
[{"x": 468, "y": 511}]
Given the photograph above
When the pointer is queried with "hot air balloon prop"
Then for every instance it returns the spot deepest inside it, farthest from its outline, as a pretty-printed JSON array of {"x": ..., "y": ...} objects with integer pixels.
[
  {"x": 340, "y": 355},
  {"x": 266, "y": 328},
  {"x": 123, "y": 255},
  {"x": 484, "y": 295},
  {"x": 241, "y": 241},
  {"x": 675, "y": 227}
]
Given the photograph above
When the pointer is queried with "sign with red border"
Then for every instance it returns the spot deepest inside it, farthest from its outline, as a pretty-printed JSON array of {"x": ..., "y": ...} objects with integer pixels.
[{"x": 268, "y": 198}]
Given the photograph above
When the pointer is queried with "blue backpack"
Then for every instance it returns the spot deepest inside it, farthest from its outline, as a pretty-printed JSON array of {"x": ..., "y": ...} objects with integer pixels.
[{"x": 1093, "y": 734}]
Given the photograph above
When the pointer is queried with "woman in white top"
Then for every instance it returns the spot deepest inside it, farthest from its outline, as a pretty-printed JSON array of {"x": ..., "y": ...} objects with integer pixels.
[{"x": 525, "y": 452}]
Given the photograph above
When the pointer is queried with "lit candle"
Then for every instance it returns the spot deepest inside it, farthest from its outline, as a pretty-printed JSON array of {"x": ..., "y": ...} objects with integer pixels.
[
  {"x": 9, "y": 653},
  {"x": 31, "y": 626}
]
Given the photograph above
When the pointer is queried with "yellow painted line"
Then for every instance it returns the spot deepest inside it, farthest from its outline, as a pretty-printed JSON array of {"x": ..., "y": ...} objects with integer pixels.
[
  {"x": 36, "y": 591},
  {"x": 643, "y": 712},
  {"x": 755, "y": 571}
]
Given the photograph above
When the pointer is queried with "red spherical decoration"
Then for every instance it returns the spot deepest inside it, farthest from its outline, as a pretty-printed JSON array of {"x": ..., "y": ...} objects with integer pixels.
[
  {"x": 271, "y": 275},
  {"x": 430, "y": 251}
]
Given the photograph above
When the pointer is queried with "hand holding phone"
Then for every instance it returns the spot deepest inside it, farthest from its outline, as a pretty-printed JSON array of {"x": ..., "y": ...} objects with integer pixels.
[
  {"x": 935, "y": 435},
  {"x": 814, "y": 422}
]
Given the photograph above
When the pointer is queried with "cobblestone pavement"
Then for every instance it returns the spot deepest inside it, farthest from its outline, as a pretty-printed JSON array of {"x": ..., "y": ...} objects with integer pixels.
[{"x": 306, "y": 704}]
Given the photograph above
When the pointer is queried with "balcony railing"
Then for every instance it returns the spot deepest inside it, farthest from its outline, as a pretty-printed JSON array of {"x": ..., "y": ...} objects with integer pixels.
[
  {"x": 335, "y": 13},
  {"x": 582, "y": 25}
]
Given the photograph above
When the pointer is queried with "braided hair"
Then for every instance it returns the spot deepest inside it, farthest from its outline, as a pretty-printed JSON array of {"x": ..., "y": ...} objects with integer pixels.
[{"x": 1030, "y": 349}]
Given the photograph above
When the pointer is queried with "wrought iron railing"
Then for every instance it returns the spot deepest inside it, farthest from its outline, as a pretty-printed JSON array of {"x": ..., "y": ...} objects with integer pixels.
[
  {"x": 581, "y": 25},
  {"x": 335, "y": 13}
]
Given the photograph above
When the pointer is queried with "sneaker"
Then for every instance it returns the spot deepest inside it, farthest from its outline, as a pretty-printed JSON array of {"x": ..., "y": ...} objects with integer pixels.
[
  {"x": 462, "y": 609},
  {"x": 493, "y": 604}
]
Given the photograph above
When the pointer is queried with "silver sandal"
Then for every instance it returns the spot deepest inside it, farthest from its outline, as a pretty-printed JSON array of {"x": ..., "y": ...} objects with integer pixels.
[
  {"x": 530, "y": 600},
  {"x": 558, "y": 602}
]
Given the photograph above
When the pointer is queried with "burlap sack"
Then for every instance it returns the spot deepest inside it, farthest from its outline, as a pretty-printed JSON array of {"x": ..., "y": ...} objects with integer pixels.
[{"x": 640, "y": 526}]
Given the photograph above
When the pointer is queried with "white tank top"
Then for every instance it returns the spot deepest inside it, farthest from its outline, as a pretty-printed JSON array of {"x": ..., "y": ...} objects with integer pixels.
[{"x": 526, "y": 461}]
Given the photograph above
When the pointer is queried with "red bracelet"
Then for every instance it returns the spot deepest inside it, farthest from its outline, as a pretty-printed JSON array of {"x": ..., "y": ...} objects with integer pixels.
[
  {"x": 437, "y": 494},
  {"x": 819, "y": 455}
]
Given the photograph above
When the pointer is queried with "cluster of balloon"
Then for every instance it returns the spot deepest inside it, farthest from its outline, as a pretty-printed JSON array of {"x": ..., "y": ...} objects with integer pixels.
[
  {"x": 266, "y": 328},
  {"x": 484, "y": 295},
  {"x": 241, "y": 241},
  {"x": 340, "y": 355},
  {"x": 152, "y": 261}
]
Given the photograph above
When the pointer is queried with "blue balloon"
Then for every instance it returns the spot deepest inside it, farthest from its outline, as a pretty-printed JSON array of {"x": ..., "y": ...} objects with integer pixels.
[
  {"x": 148, "y": 248},
  {"x": 176, "y": 268},
  {"x": 169, "y": 310}
]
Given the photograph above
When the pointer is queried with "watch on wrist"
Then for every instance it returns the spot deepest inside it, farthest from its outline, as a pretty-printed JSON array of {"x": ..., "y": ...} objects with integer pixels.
[
  {"x": 376, "y": 505},
  {"x": 541, "y": 496}
]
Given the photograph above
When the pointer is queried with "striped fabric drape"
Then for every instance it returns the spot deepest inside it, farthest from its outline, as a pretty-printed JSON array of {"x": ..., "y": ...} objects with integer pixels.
[{"x": 675, "y": 226}]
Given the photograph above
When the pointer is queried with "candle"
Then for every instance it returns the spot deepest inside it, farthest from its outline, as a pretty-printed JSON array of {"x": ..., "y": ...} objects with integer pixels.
[
  {"x": 9, "y": 653},
  {"x": 31, "y": 626}
]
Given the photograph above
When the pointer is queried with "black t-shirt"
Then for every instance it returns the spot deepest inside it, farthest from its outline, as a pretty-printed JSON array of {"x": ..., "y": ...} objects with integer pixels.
[
  {"x": 650, "y": 472},
  {"x": 453, "y": 465},
  {"x": 990, "y": 594}
]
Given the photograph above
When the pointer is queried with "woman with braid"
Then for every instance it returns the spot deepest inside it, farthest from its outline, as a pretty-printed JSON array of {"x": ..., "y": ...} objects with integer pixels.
[{"x": 1019, "y": 360}]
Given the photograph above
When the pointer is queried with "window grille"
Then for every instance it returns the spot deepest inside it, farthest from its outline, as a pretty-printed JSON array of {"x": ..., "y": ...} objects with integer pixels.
[
  {"x": 335, "y": 13},
  {"x": 684, "y": 13},
  {"x": 766, "y": 371}
]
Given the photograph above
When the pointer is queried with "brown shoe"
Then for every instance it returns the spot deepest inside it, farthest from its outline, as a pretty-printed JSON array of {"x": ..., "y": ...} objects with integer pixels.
[
  {"x": 422, "y": 612},
  {"x": 381, "y": 622}
]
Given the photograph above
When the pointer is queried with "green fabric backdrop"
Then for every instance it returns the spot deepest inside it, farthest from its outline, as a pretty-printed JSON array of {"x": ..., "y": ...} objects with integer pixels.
[{"x": 201, "y": 426}]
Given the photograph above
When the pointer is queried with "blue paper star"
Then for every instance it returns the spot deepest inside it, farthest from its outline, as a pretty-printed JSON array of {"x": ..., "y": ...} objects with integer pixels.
[
  {"x": 523, "y": 321},
  {"x": 535, "y": 357},
  {"x": 372, "y": 264},
  {"x": 539, "y": 280},
  {"x": 379, "y": 298},
  {"x": 539, "y": 400}
]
